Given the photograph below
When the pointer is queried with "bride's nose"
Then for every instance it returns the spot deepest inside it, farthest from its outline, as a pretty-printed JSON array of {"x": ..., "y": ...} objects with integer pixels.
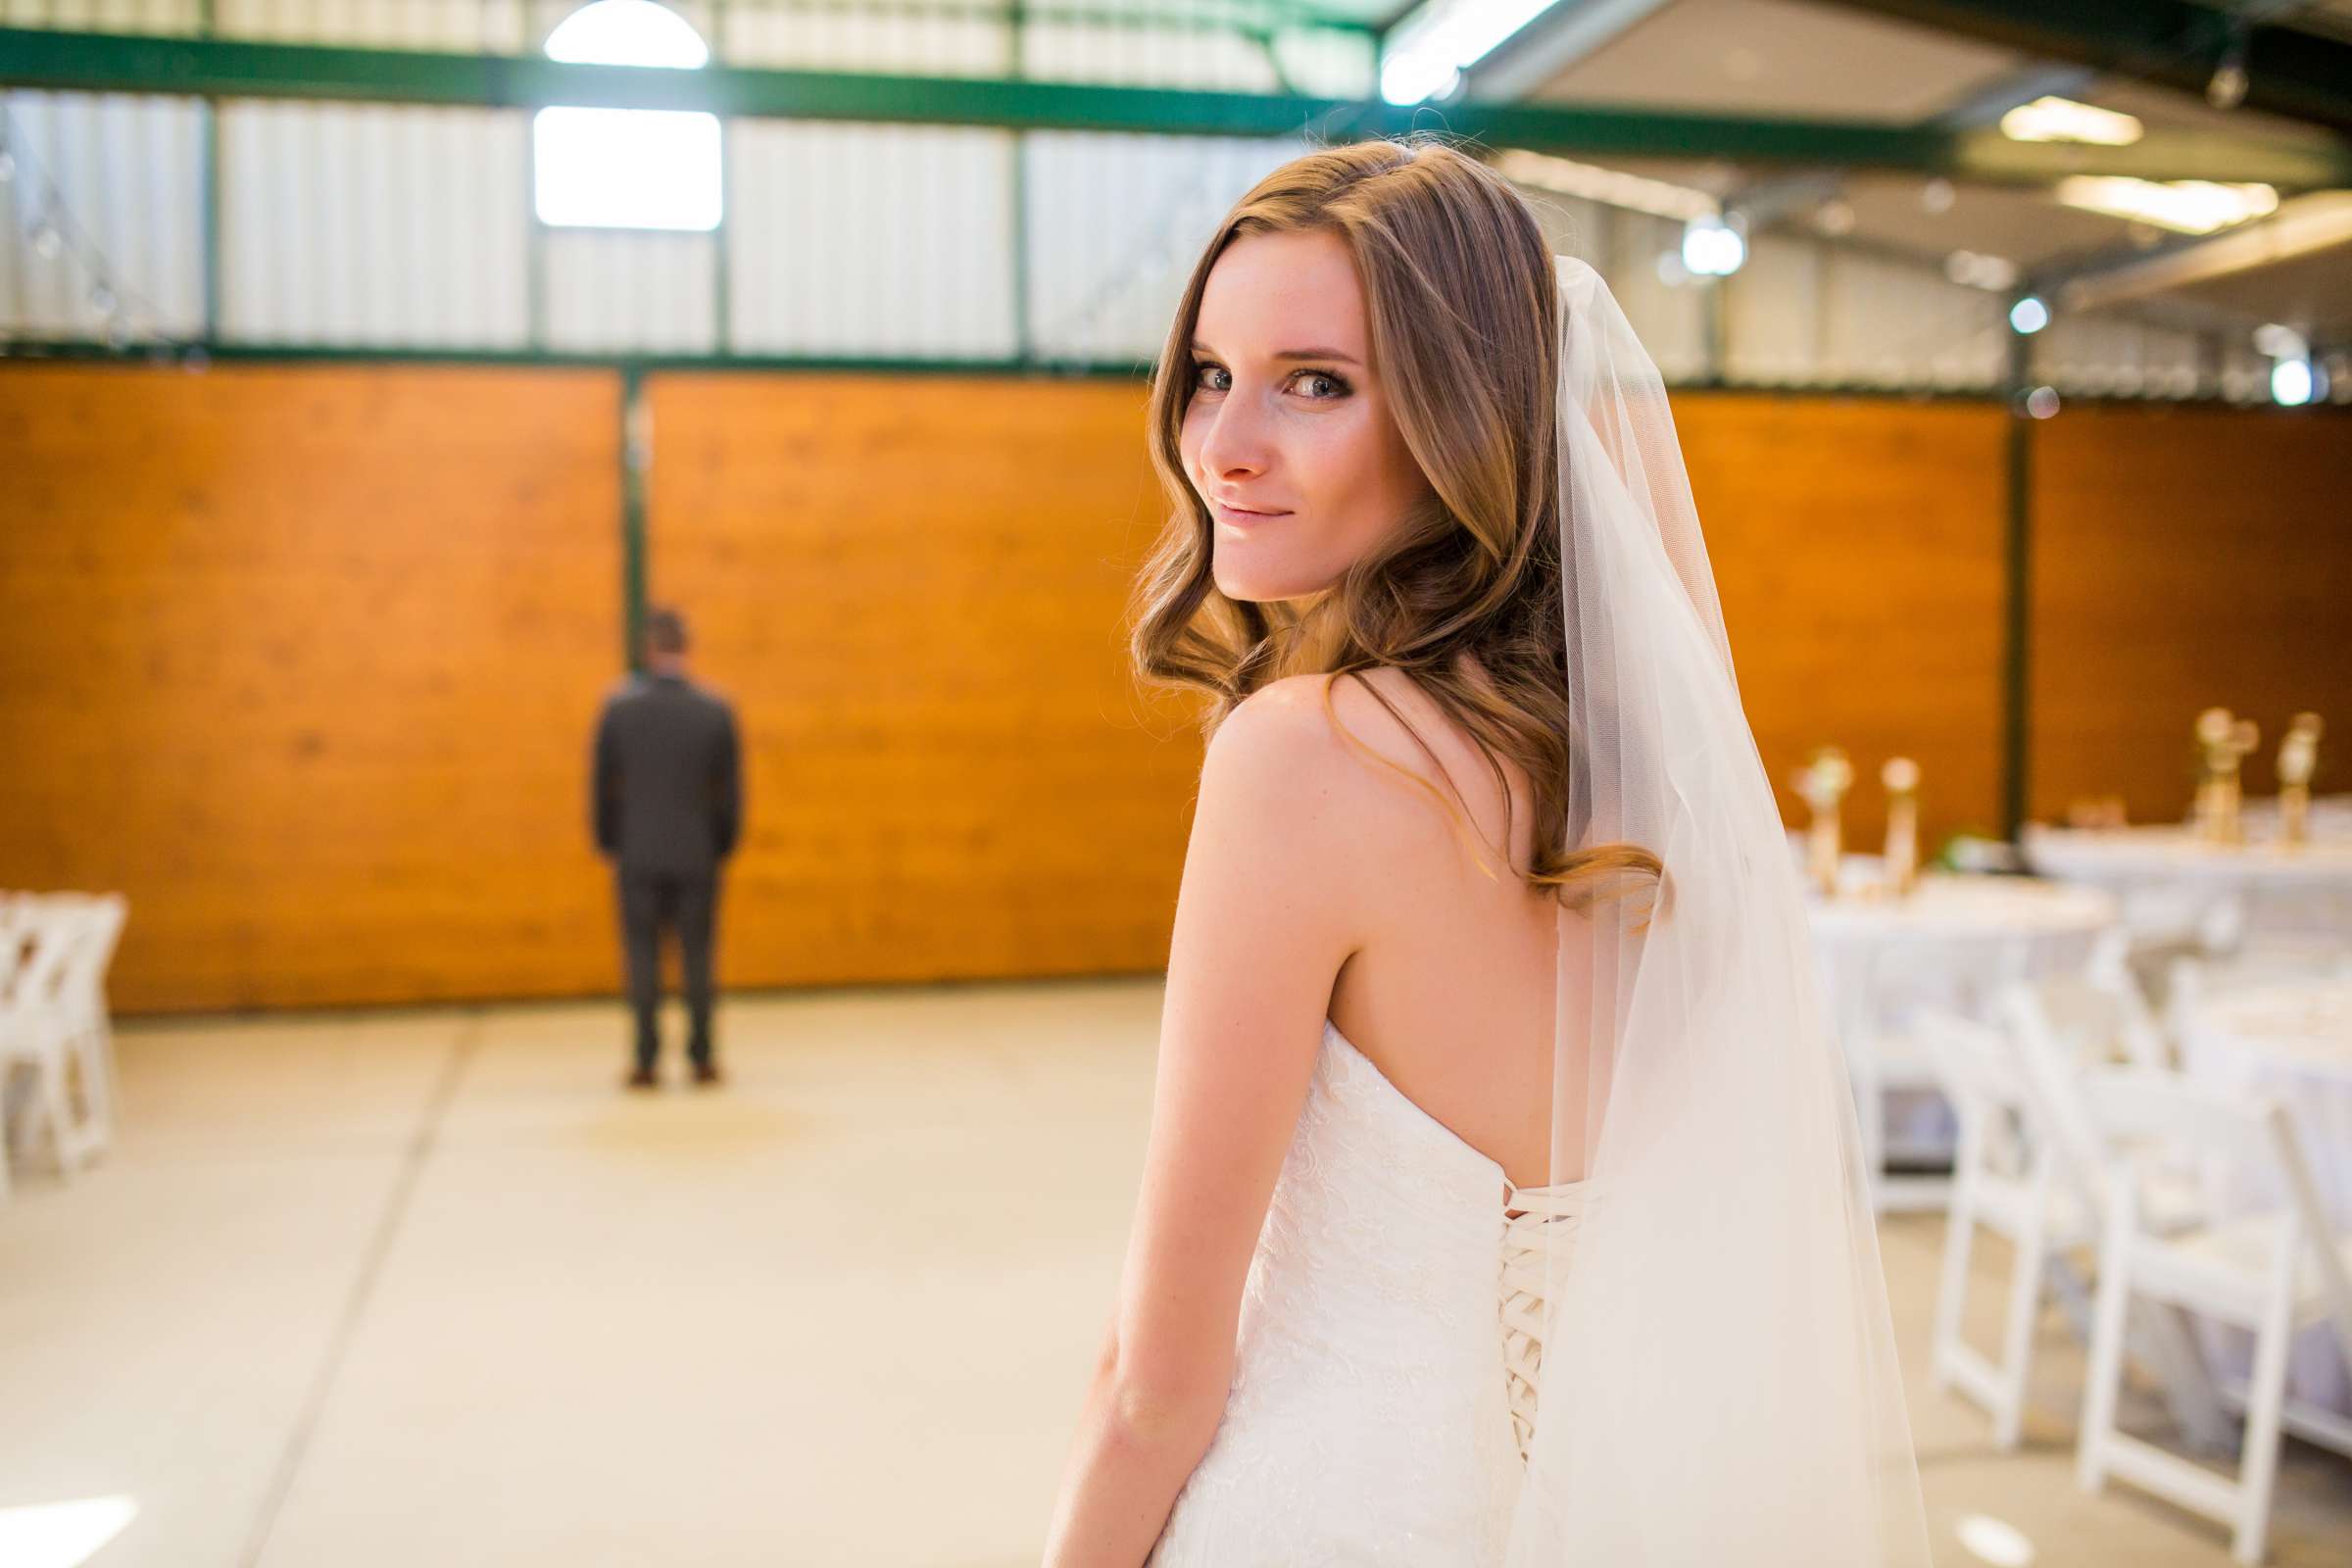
[{"x": 1235, "y": 443}]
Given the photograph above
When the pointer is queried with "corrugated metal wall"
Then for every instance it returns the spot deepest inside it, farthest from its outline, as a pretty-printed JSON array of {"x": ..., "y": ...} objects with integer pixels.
[
  {"x": 374, "y": 226},
  {"x": 364, "y": 226},
  {"x": 870, "y": 241},
  {"x": 1114, "y": 224},
  {"x": 127, "y": 177}
]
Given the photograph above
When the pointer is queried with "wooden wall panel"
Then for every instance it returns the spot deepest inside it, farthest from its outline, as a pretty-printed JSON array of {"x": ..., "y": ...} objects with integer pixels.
[
  {"x": 304, "y": 659},
  {"x": 2185, "y": 558},
  {"x": 1858, "y": 547},
  {"x": 913, "y": 589}
]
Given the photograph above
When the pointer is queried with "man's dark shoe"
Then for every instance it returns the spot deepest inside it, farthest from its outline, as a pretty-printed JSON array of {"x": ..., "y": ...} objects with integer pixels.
[
  {"x": 641, "y": 1078},
  {"x": 707, "y": 1074}
]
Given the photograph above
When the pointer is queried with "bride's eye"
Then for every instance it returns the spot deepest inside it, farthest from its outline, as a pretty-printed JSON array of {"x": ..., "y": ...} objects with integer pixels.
[{"x": 1338, "y": 388}]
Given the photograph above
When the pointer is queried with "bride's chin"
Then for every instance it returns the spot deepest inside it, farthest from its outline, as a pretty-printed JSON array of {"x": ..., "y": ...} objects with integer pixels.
[{"x": 1248, "y": 587}]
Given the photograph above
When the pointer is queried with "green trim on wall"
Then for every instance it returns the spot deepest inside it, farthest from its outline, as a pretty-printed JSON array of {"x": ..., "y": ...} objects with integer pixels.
[{"x": 120, "y": 63}]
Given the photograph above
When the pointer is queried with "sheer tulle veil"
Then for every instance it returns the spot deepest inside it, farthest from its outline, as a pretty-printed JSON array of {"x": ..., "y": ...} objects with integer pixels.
[{"x": 1719, "y": 1383}]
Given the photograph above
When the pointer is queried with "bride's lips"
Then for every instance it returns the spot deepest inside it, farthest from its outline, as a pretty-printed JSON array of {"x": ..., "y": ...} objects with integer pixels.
[{"x": 1241, "y": 519}]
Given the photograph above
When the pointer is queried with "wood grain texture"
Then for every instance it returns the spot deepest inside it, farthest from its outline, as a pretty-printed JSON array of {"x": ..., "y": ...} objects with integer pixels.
[
  {"x": 1857, "y": 548},
  {"x": 913, "y": 589},
  {"x": 303, "y": 660},
  {"x": 2183, "y": 558}
]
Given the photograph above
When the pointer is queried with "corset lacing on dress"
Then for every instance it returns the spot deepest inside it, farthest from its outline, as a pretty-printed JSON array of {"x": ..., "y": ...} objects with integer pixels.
[{"x": 1548, "y": 1220}]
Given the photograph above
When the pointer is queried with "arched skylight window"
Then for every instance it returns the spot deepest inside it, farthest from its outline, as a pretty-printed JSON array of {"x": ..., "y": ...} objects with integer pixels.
[{"x": 627, "y": 168}]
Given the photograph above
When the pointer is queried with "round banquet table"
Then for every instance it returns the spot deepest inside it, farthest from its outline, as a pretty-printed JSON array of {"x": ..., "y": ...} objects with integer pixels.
[
  {"x": 2293, "y": 1042},
  {"x": 1953, "y": 942},
  {"x": 2173, "y": 874}
]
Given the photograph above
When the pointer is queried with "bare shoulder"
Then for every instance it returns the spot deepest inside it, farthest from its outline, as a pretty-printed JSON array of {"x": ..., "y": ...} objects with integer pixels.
[
  {"x": 1319, "y": 726},
  {"x": 1279, "y": 735},
  {"x": 1367, "y": 745}
]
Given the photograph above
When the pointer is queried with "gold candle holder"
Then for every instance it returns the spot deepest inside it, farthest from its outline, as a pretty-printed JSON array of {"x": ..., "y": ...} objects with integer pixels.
[
  {"x": 2298, "y": 761},
  {"x": 2223, "y": 743},
  {"x": 1900, "y": 775},
  {"x": 2243, "y": 738},
  {"x": 1822, "y": 784}
]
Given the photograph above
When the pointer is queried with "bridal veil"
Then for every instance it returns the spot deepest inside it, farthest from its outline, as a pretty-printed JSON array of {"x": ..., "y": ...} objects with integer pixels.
[{"x": 1720, "y": 1380}]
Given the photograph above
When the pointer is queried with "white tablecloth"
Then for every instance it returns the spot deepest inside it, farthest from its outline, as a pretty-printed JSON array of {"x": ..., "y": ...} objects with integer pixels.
[
  {"x": 2292, "y": 1040},
  {"x": 2308, "y": 887},
  {"x": 1953, "y": 942}
]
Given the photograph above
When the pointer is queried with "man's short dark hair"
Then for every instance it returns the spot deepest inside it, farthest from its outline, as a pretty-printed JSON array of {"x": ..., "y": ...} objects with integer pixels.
[{"x": 665, "y": 630}]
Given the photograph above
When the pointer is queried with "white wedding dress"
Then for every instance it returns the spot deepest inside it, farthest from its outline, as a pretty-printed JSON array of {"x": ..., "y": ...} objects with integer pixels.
[{"x": 1390, "y": 1333}]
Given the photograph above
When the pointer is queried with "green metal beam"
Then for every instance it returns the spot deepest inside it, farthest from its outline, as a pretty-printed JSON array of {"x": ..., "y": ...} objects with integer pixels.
[
  {"x": 115, "y": 63},
  {"x": 2176, "y": 42}
]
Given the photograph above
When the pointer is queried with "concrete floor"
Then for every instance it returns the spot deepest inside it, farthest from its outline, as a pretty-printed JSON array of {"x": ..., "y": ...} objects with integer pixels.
[{"x": 426, "y": 1288}]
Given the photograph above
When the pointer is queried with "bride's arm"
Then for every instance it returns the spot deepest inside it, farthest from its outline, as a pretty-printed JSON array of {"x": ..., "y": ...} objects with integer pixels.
[{"x": 1264, "y": 919}]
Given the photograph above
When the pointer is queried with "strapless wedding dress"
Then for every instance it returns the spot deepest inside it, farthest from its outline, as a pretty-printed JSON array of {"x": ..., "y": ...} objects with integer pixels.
[{"x": 1391, "y": 1332}]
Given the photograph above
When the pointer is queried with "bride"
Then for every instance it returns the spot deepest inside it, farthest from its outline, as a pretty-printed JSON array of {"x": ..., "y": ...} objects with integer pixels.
[{"x": 1502, "y": 1203}]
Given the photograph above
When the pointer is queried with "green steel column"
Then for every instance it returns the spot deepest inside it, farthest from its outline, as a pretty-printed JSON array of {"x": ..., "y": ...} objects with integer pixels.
[
  {"x": 722, "y": 304},
  {"x": 2017, "y": 591},
  {"x": 209, "y": 195},
  {"x": 1017, "y": 18},
  {"x": 722, "y": 277},
  {"x": 636, "y": 462}
]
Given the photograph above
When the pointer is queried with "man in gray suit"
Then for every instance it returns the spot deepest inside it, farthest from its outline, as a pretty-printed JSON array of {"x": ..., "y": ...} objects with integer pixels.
[{"x": 668, "y": 797}]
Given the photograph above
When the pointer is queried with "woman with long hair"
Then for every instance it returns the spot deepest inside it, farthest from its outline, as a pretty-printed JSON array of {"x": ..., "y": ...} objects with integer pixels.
[{"x": 1502, "y": 1203}]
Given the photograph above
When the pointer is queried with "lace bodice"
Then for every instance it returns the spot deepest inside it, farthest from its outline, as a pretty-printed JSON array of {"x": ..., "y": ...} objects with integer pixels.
[{"x": 1388, "y": 1349}]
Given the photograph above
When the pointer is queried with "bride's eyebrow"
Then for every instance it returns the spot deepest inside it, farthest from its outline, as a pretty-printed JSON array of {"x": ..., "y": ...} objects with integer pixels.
[{"x": 1200, "y": 347}]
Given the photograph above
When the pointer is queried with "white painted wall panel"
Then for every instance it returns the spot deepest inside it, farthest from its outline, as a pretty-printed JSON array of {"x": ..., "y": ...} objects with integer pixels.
[
  {"x": 870, "y": 241},
  {"x": 633, "y": 291},
  {"x": 1671, "y": 322},
  {"x": 974, "y": 43},
  {"x": 104, "y": 16},
  {"x": 1115, "y": 223},
  {"x": 370, "y": 226},
  {"x": 486, "y": 27},
  {"x": 2115, "y": 356},
  {"x": 1772, "y": 315},
  {"x": 1897, "y": 323},
  {"x": 121, "y": 178}
]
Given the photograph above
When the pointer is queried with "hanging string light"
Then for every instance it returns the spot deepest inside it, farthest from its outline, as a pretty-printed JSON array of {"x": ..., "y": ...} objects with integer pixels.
[{"x": 124, "y": 317}]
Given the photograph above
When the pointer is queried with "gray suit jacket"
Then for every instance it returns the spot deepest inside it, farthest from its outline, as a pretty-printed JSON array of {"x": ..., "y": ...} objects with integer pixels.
[{"x": 668, "y": 777}]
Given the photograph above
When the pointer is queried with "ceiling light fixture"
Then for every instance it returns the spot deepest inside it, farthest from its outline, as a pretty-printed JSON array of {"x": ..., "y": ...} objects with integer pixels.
[
  {"x": 2053, "y": 119},
  {"x": 2184, "y": 205}
]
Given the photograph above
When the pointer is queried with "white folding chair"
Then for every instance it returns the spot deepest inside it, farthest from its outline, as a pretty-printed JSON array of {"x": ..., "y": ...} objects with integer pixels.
[
  {"x": 36, "y": 1031},
  {"x": 2194, "y": 980},
  {"x": 2010, "y": 1181},
  {"x": 2059, "y": 1030},
  {"x": 1880, "y": 1064},
  {"x": 2175, "y": 912},
  {"x": 2272, "y": 1273},
  {"x": 1881, "y": 994},
  {"x": 15, "y": 938},
  {"x": 2109, "y": 974},
  {"x": 89, "y": 1027}
]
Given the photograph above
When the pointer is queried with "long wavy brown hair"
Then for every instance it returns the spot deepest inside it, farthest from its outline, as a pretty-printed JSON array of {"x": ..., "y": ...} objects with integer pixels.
[{"x": 1463, "y": 310}]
